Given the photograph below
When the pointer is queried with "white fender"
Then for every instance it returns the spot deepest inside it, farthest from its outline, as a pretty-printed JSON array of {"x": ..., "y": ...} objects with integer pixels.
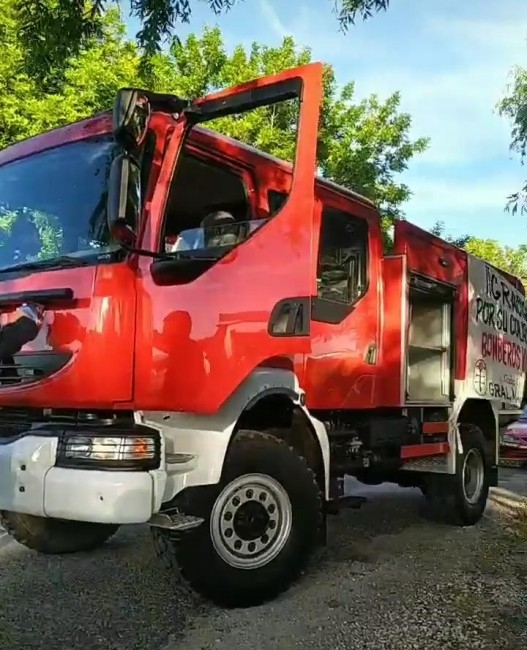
[
  {"x": 454, "y": 438},
  {"x": 195, "y": 445}
]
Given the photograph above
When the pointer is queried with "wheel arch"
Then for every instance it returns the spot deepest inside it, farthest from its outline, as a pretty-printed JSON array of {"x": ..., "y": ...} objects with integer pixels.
[
  {"x": 482, "y": 414},
  {"x": 269, "y": 400},
  {"x": 281, "y": 412}
]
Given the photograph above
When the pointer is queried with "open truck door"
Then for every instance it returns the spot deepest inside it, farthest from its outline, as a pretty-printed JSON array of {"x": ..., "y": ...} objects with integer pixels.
[{"x": 204, "y": 324}]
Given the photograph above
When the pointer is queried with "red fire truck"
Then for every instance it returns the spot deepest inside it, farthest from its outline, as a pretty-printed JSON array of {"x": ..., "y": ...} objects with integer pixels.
[{"x": 201, "y": 337}]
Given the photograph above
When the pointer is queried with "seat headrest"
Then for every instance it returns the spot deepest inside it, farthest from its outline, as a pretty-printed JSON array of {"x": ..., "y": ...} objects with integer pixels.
[{"x": 217, "y": 218}]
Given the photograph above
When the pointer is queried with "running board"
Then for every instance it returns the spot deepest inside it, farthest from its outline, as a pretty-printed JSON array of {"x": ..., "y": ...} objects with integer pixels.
[{"x": 174, "y": 521}]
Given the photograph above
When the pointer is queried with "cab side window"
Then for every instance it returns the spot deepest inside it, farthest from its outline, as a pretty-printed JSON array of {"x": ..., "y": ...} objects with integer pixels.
[
  {"x": 206, "y": 200},
  {"x": 276, "y": 200},
  {"x": 342, "y": 263}
]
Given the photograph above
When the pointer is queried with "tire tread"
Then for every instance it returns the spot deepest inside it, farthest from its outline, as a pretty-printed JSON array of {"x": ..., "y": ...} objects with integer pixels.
[
  {"x": 177, "y": 551},
  {"x": 55, "y": 536}
]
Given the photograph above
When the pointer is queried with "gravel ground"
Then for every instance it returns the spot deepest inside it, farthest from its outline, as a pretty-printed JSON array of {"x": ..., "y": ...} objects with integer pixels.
[{"x": 388, "y": 579}]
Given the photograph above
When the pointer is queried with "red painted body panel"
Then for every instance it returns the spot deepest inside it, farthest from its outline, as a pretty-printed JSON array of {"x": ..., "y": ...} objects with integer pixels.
[
  {"x": 336, "y": 375},
  {"x": 97, "y": 327},
  {"x": 187, "y": 347},
  {"x": 393, "y": 341},
  {"x": 71, "y": 133},
  {"x": 425, "y": 449},
  {"x": 197, "y": 342}
]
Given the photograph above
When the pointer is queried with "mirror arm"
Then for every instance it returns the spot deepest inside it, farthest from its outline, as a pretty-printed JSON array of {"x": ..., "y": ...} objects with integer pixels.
[{"x": 143, "y": 252}]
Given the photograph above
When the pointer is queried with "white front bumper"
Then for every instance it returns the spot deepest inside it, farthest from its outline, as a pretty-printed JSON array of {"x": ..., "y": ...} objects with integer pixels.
[{"x": 30, "y": 483}]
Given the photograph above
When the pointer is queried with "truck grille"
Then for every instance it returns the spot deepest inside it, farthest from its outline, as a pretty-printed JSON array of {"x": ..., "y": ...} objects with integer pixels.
[
  {"x": 17, "y": 420},
  {"x": 27, "y": 367}
]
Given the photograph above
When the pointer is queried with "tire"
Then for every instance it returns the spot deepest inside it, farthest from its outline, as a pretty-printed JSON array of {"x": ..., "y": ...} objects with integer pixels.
[
  {"x": 461, "y": 499},
  {"x": 55, "y": 536},
  {"x": 267, "y": 485}
]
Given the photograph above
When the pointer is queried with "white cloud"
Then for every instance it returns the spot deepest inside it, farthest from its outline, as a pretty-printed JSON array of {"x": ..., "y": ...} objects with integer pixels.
[
  {"x": 498, "y": 34},
  {"x": 318, "y": 30},
  {"x": 436, "y": 197},
  {"x": 451, "y": 71},
  {"x": 272, "y": 19},
  {"x": 456, "y": 109},
  {"x": 476, "y": 206},
  {"x": 451, "y": 63}
]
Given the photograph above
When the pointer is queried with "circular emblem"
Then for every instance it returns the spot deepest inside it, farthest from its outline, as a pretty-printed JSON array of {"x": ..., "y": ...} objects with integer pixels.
[{"x": 480, "y": 377}]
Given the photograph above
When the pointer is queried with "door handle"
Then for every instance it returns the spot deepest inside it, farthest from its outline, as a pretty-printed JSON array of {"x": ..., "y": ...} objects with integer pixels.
[
  {"x": 371, "y": 354},
  {"x": 290, "y": 317}
]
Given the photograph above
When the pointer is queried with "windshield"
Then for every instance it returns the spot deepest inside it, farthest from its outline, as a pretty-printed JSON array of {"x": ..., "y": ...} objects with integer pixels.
[{"x": 53, "y": 203}]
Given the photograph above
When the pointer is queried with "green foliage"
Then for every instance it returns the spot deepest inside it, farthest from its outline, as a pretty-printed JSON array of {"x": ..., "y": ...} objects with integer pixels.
[
  {"x": 88, "y": 82},
  {"x": 51, "y": 31},
  {"x": 362, "y": 145},
  {"x": 7, "y": 219},
  {"x": 50, "y": 231},
  {"x": 514, "y": 107},
  {"x": 349, "y": 10},
  {"x": 48, "y": 228},
  {"x": 508, "y": 258}
]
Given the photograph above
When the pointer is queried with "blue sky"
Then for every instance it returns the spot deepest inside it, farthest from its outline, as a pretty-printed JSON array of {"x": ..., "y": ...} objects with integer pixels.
[{"x": 450, "y": 60}]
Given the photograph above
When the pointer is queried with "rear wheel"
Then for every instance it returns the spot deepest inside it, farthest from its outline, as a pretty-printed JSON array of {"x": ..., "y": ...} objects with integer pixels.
[
  {"x": 260, "y": 526},
  {"x": 461, "y": 499},
  {"x": 55, "y": 536}
]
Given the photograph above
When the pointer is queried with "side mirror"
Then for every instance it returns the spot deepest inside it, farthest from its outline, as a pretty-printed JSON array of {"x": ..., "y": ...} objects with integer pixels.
[
  {"x": 131, "y": 116},
  {"x": 124, "y": 199}
]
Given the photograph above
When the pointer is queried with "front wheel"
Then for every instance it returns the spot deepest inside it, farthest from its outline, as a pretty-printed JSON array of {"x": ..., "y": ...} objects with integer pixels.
[
  {"x": 55, "y": 536},
  {"x": 461, "y": 499},
  {"x": 261, "y": 525}
]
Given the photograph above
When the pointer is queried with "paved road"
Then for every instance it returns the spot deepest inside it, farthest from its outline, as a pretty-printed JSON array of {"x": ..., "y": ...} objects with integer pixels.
[{"x": 388, "y": 579}]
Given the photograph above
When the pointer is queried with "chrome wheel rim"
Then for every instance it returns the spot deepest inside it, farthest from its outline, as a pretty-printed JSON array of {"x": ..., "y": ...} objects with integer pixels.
[
  {"x": 251, "y": 521},
  {"x": 473, "y": 476}
]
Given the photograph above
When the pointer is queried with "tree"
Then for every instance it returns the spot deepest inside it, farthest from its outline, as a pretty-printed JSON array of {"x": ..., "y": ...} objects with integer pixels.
[
  {"x": 362, "y": 145},
  {"x": 54, "y": 30},
  {"x": 88, "y": 83},
  {"x": 438, "y": 229},
  {"x": 508, "y": 258},
  {"x": 514, "y": 107}
]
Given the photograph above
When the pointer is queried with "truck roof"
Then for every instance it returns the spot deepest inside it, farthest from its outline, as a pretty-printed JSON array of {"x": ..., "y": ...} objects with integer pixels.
[
  {"x": 102, "y": 123},
  {"x": 96, "y": 125}
]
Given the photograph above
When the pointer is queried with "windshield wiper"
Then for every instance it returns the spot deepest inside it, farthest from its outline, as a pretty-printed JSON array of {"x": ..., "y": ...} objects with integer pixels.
[{"x": 62, "y": 262}]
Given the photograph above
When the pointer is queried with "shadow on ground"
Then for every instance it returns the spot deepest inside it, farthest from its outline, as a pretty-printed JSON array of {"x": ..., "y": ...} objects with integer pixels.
[
  {"x": 116, "y": 597},
  {"x": 120, "y": 597}
]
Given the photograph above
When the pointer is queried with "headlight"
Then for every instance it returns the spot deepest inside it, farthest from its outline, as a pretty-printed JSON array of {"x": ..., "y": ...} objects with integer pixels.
[
  {"x": 99, "y": 451},
  {"x": 509, "y": 439}
]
